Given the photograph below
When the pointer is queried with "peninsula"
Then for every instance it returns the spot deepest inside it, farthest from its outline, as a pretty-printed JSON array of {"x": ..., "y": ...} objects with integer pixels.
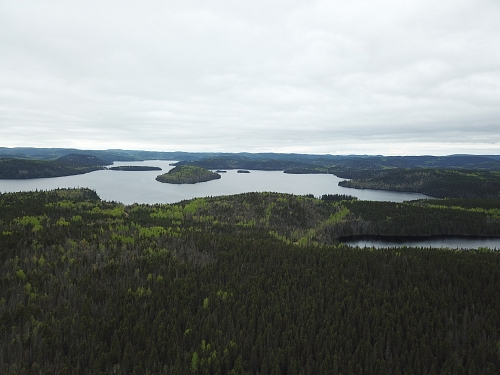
[
  {"x": 68, "y": 165},
  {"x": 187, "y": 174}
]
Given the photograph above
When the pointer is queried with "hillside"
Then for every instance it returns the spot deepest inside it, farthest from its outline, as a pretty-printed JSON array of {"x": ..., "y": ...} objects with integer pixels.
[
  {"x": 26, "y": 169},
  {"x": 81, "y": 160},
  {"x": 346, "y": 166},
  {"x": 242, "y": 284},
  {"x": 434, "y": 182}
]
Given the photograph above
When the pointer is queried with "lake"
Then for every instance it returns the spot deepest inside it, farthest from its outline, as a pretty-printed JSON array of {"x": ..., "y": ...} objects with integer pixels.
[
  {"x": 451, "y": 242},
  {"x": 141, "y": 187}
]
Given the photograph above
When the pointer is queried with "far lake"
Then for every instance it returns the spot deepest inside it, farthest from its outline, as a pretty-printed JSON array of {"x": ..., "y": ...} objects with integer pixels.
[
  {"x": 141, "y": 187},
  {"x": 436, "y": 241}
]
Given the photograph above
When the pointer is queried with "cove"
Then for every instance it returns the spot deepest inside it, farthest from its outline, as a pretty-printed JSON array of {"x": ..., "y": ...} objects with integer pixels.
[
  {"x": 452, "y": 242},
  {"x": 130, "y": 187}
]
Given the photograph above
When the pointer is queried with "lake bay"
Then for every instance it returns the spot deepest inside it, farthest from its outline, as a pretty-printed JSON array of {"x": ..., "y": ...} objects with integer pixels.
[{"x": 141, "y": 187}]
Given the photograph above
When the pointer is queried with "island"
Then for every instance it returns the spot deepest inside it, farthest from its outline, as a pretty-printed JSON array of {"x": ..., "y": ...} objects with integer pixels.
[
  {"x": 187, "y": 174},
  {"x": 242, "y": 171},
  {"x": 134, "y": 168}
]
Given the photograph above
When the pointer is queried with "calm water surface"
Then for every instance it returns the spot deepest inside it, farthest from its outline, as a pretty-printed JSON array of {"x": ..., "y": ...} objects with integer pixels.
[
  {"x": 449, "y": 242},
  {"x": 141, "y": 187}
]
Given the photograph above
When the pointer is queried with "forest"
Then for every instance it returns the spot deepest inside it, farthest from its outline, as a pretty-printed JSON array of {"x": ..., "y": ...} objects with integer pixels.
[
  {"x": 341, "y": 165},
  {"x": 255, "y": 283},
  {"x": 187, "y": 174},
  {"x": 345, "y": 166},
  {"x": 443, "y": 183},
  {"x": 67, "y": 165}
]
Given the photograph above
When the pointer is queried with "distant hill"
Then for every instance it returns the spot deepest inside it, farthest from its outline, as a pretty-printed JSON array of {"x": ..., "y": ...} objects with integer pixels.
[
  {"x": 442, "y": 183},
  {"x": 347, "y": 166},
  {"x": 244, "y": 162},
  {"x": 82, "y": 160},
  {"x": 27, "y": 169}
]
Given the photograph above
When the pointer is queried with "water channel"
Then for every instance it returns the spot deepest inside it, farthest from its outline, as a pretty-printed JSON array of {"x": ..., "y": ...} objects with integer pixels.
[{"x": 141, "y": 187}]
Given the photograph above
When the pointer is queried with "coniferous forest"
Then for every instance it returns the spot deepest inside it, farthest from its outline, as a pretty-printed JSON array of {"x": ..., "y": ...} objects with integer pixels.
[{"x": 255, "y": 283}]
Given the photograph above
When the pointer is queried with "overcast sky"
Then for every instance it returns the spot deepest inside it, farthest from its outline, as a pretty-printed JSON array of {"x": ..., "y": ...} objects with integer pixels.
[{"x": 337, "y": 76}]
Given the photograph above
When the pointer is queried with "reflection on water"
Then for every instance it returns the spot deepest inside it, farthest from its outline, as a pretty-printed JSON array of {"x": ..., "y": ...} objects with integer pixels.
[{"x": 141, "y": 187}]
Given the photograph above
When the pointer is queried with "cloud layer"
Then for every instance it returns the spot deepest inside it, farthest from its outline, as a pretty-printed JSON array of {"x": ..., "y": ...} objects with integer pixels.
[{"x": 383, "y": 76}]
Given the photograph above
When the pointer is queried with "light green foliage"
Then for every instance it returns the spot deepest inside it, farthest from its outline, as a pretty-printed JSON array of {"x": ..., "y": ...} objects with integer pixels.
[
  {"x": 206, "y": 303},
  {"x": 76, "y": 218},
  {"x": 195, "y": 205},
  {"x": 140, "y": 292},
  {"x": 115, "y": 212},
  {"x": 29, "y": 220},
  {"x": 151, "y": 232},
  {"x": 123, "y": 239},
  {"x": 224, "y": 295},
  {"x": 279, "y": 237},
  {"x": 62, "y": 222},
  {"x": 27, "y": 288},
  {"x": 173, "y": 213},
  {"x": 156, "y": 253},
  {"x": 494, "y": 212},
  {"x": 194, "y": 363},
  {"x": 122, "y": 228},
  {"x": 37, "y": 228},
  {"x": 41, "y": 261},
  {"x": 338, "y": 216},
  {"x": 246, "y": 224},
  {"x": 20, "y": 273},
  {"x": 63, "y": 204}
]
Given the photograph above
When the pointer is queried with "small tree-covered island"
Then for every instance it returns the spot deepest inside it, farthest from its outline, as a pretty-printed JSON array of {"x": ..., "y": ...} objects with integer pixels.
[{"x": 187, "y": 174}]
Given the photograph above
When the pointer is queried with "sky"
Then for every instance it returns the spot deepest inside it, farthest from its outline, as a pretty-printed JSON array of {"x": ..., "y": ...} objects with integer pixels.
[{"x": 384, "y": 77}]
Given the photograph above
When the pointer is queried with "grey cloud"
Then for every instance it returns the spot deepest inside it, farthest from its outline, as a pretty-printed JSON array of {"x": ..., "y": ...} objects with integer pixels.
[{"x": 294, "y": 76}]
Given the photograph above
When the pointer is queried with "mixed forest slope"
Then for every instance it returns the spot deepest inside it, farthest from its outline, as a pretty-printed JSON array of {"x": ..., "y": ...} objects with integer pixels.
[
  {"x": 434, "y": 182},
  {"x": 243, "y": 284},
  {"x": 65, "y": 166},
  {"x": 346, "y": 166}
]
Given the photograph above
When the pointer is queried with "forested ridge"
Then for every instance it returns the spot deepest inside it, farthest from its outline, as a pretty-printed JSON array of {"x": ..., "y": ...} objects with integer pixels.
[
  {"x": 244, "y": 284},
  {"x": 68, "y": 165},
  {"x": 345, "y": 166},
  {"x": 434, "y": 182}
]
